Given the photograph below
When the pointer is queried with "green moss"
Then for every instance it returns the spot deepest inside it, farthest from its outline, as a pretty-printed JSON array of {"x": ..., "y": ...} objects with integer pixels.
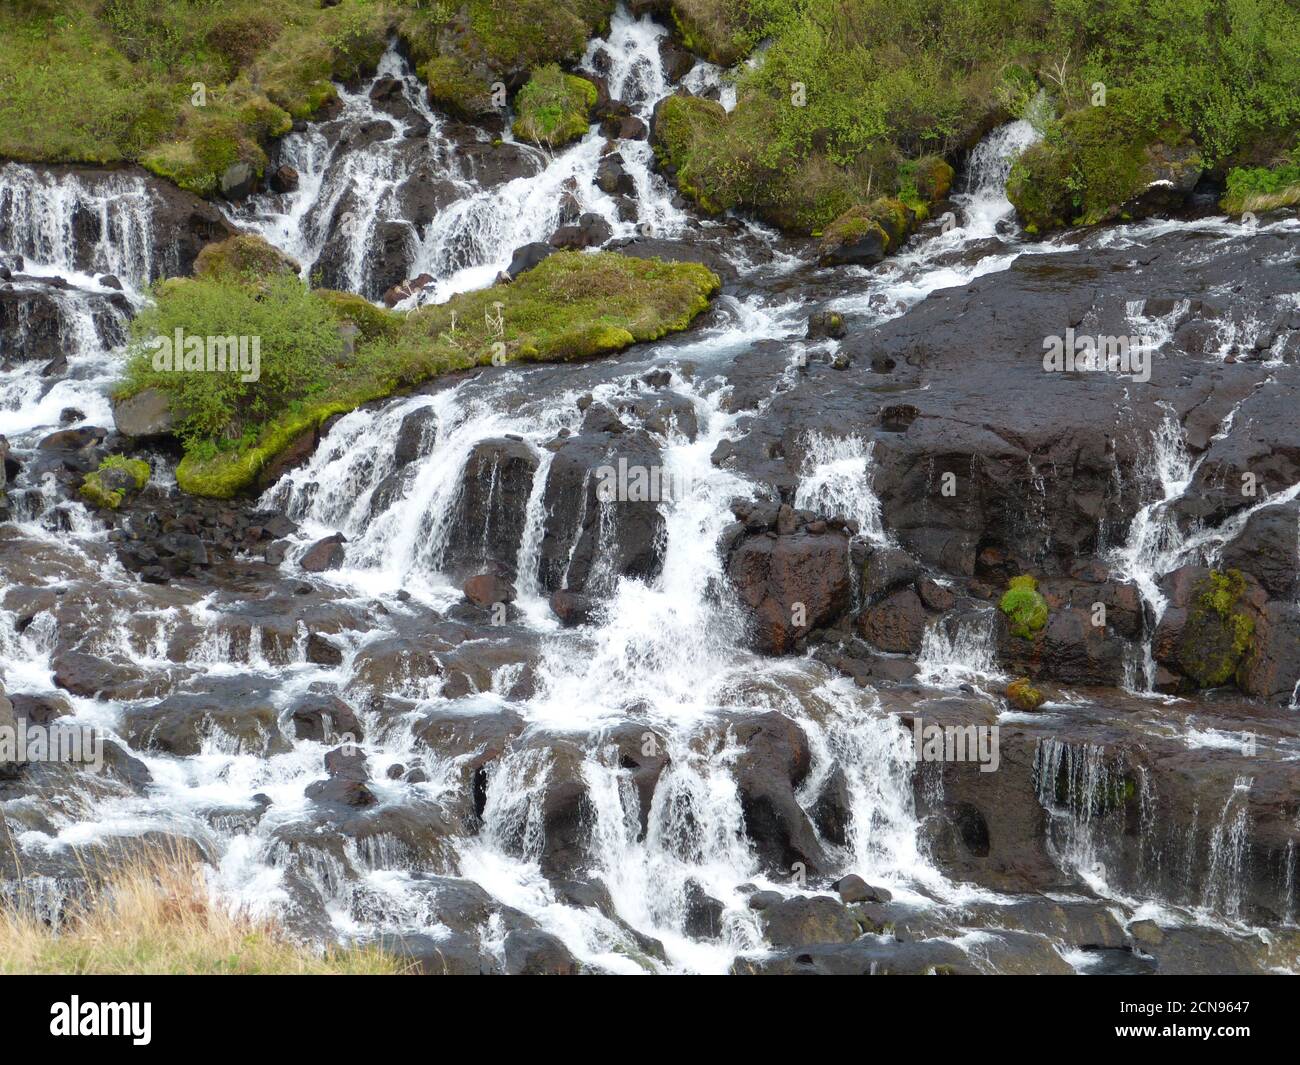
[
  {"x": 1023, "y": 695},
  {"x": 372, "y": 322},
  {"x": 107, "y": 486},
  {"x": 1025, "y": 606},
  {"x": 245, "y": 257},
  {"x": 572, "y": 306},
  {"x": 455, "y": 87},
  {"x": 463, "y": 48},
  {"x": 554, "y": 108},
  {"x": 1218, "y": 636},
  {"x": 1094, "y": 162},
  {"x": 924, "y": 182}
]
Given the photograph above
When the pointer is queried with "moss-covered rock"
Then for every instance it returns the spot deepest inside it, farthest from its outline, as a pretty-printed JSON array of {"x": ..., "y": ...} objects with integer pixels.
[
  {"x": 1218, "y": 635},
  {"x": 690, "y": 136},
  {"x": 463, "y": 50},
  {"x": 1099, "y": 164},
  {"x": 554, "y": 108},
  {"x": 117, "y": 476},
  {"x": 1024, "y": 696},
  {"x": 191, "y": 91},
  {"x": 866, "y": 233},
  {"x": 924, "y": 182},
  {"x": 1024, "y": 606},
  {"x": 722, "y": 31},
  {"x": 244, "y": 257}
]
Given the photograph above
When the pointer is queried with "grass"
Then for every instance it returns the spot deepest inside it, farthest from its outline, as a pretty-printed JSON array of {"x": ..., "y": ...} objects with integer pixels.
[
  {"x": 153, "y": 914},
  {"x": 185, "y": 88},
  {"x": 462, "y": 48},
  {"x": 1264, "y": 188},
  {"x": 572, "y": 306}
]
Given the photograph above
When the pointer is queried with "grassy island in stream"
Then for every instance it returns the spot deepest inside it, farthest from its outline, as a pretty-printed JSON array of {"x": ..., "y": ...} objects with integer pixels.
[{"x": 324, "y": 353}]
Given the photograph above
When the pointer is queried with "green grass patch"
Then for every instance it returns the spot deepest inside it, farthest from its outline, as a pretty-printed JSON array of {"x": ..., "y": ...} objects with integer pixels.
[
  {"x": 1263, "y": 188},
  {"x": 185, "y": 88}
]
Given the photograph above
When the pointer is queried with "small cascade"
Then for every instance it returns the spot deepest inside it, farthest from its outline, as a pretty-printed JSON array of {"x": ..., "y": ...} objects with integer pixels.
[
  {"x": 1083, "y": 788},
  {"x": 836, "y": 482},
  {"x": 1158, "y": 543},
  {"x": 1227, "y": 852},
  {"x": 344, "y": 196},
  {"x": 984, "y": 201},
  {"x": 350, "y": 216},
  {"x": 959, "y": 651},
  {"x": 69, "y": 226}
]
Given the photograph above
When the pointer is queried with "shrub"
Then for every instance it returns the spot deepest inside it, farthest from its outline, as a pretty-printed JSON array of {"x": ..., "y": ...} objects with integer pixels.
[{"x": 298, "y": 336}]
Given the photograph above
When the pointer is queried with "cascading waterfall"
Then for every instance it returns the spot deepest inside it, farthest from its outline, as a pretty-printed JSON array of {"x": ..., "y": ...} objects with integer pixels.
[
  {"x": 666, "y": 654},
  {"x": 52, "y": 219},
  {"x": 1158, "y": 544}
]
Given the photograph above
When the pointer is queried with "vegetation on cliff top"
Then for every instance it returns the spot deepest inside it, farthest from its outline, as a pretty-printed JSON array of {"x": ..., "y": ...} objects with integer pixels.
[
  {"x": 849, "y": 91},
  {"x": 188, "y": 89},
  {"x": 193, "y": 90},
  {"x": 324, "y": 353}
]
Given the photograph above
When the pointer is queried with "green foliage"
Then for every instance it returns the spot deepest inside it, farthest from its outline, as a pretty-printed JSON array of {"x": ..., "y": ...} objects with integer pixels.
[
  {"x": 1025, "y": 606},
  {"x": 299, "y": 340},
  {"x": 463, "y": 47},
  {"x": 571, "y": 306},
  {"x": 1218, "y": 635},
  {"x": 102, "y": 81},
  {"x": 1263, "y": 188},
  {"x": 887, "y": 81},
  {"x": 554, "y": 108}
]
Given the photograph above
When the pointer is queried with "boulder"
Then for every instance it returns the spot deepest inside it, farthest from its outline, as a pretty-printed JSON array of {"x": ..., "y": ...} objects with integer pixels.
[{"x": 325, "y": 554}]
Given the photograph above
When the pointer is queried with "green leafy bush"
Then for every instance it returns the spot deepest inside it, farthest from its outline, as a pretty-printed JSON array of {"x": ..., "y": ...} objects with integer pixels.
[{"x": 298, "y": 338}]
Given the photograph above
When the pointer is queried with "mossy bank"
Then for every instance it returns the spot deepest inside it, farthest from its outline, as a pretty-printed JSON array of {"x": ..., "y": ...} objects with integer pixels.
[{"x": 323, "y": 353}]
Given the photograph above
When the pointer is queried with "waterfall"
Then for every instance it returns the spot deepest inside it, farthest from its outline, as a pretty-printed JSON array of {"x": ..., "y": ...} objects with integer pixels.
[
  {"x": 984, "y": 202},
  {"x": 1081, "y": 786},
  {"x": 836, "y": 482},
  {"x": 76, "y": 229},
  {"x": 474, "y": 475}
]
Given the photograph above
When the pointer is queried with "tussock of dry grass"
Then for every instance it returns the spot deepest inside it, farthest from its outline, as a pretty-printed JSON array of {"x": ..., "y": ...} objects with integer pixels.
[{"x": 153, "y": 915}]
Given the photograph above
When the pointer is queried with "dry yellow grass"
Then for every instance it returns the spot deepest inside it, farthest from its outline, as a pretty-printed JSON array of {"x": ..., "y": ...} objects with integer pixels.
[{"x": 153, "y": 915}]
